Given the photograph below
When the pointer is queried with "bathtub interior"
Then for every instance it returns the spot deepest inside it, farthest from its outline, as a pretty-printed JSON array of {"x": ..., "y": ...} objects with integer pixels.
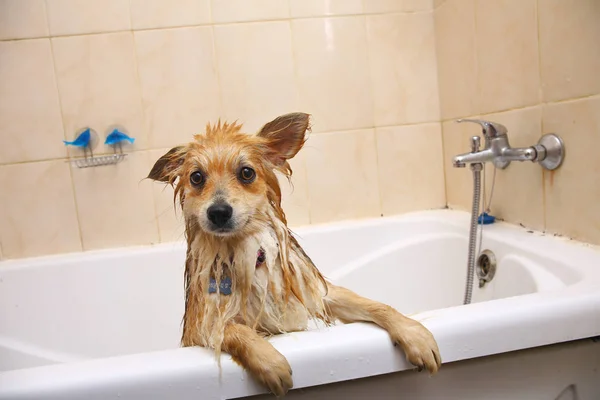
[
  {"x": 419, "y": 267},
  {"x": 93, "y": 306},
  {"x": 101, "y": 304}
]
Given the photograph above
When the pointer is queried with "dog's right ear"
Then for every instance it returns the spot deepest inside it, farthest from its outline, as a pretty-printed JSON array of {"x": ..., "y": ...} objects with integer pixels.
[
  {"x": 285, "y": 136},
  {"x": 167, "y": 167}
]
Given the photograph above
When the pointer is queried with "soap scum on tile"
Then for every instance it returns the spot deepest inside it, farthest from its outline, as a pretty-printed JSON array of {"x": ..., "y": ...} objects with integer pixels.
[{"x": 246, "y": 276}]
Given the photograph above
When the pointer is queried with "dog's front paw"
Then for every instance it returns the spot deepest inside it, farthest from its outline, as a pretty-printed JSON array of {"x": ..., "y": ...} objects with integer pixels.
[
  {"x": 272, "y": 370},
  {"x": 418, "y": 344}
]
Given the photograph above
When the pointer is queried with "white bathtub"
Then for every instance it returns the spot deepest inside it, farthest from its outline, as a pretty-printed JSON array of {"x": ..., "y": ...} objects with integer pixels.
[{"x": 106, "y": 324}]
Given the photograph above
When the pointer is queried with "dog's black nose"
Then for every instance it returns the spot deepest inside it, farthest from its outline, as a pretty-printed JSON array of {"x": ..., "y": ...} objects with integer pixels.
[{"x": 219, "y": 214}]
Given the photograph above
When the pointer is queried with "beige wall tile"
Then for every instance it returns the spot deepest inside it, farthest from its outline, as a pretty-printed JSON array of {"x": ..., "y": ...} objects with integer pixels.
[
  {"x": 333, "y": 72},
  {"x": 256, "y": 72},
  {"x": 148, "y": 14},
  {"x": 459, "y": 181},
  {"x": 569, "y": 48},
  {"x": 73, "y": 17},
  {"x": 115, "y": 206},
  {"x": 294, "y": 195},
  {"x": 317, "y": 8},
  {"x": 437, "y": 3},
  {"x": 572, "y": 191},
  {"x": 30, "y": 121},
  {"x": 403, "y": 68},
  {"x": 389, "y": 6},
  {"x": 456, "y": 59},
  {"x": 405, "y": 181},
  {"x": 518, "y": 193},
  {"x": 37, "y": 210},
  {"x": 507, "y": 54},
  {"x": 178, "y": 78},
  {"x": 171, "y": 224},
  {"x": 248, "y": 10},
  {"x": 342, "y": 176},
  {"x": 22, "y": 19},
  {"x": 98, "y": 85}
]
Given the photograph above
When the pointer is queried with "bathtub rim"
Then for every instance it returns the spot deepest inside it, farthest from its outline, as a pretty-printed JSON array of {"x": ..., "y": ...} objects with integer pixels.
[{"x": 462, "y": 332}]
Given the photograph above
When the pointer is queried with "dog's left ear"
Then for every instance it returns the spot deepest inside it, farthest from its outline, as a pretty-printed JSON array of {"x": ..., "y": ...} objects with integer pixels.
[
  {"x": 285, "y": 136},
  {"x": 166, "y": 167}
]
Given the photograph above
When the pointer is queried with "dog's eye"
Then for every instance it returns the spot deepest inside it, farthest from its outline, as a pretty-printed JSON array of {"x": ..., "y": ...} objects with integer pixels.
[
  {"x": 247, "y": 174},
  {"x": 196, "y": 178}
]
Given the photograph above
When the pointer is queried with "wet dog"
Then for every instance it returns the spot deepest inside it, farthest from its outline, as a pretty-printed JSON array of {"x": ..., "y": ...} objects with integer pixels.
[{"x": 246, "y": 276}]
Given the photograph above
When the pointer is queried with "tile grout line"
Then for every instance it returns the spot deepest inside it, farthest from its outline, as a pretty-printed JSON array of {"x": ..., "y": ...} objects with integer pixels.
[
  {"x": 452, "y": 119},
  {"x": 62, "y": 116},
  {"x": 298, "y": 102},
  {"x": 476, "y": 60},
  {"x": 143, "y": 116},
  {"x": 437, "y": 63},
  {"x": 593, "y": 96},
  {"x": 211, "y": 24},
  {"x": 541, "y": 99},
  {"x": 444, "y": 161},
  {"x": 216, "y": 61},
  {"x": 146, "y": 155},
  {"x": 374, "y": 129},
  {"x": 130, "y": 16},
  {"x": 439, "y": 5},
  {"x": 543, "y": 103},
  {"x": 438, "y": 68}
]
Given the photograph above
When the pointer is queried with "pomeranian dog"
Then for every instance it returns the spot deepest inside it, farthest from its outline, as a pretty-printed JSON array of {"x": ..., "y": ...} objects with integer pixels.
[{"x": 246, "y": 276}]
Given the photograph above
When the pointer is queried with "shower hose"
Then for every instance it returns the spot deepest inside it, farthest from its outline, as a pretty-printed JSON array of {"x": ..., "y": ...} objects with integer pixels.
[{"x": 476, "y": 168}]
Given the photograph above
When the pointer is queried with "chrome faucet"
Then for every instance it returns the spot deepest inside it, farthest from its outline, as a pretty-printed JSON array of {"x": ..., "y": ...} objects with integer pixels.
[{"x": 548, "y": 152}]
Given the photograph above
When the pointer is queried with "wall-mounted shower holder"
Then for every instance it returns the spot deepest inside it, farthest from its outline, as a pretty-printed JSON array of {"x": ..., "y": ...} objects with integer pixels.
[{"x": 88, "y": 138}]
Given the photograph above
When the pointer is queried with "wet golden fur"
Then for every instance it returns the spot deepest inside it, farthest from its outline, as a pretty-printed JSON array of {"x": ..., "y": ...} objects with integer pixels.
[{"x": 281, "y": 294}]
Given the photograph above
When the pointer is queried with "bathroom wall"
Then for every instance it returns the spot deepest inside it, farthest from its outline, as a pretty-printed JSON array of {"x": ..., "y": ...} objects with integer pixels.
[
  {"x": 366, "y": 71},
  {"x": 533, "y": 66}
]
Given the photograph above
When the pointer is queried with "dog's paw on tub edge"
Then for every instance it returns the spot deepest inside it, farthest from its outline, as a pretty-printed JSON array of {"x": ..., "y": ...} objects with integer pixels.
[{"x": 420, "y": 348}]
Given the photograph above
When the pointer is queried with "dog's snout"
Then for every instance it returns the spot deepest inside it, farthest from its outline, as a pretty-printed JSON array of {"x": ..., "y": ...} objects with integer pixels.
[{"x": 219, "y": 214}]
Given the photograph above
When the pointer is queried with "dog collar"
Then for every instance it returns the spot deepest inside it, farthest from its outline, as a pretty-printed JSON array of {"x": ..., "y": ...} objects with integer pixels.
[
  {"x": 260, "y": 257},
  {"x": 224, "y": 286},
  {"x": 225, "y": 283}
]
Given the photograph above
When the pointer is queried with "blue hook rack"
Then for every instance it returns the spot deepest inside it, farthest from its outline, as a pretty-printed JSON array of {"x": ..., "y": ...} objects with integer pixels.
[{"x": 85, "y": 140}]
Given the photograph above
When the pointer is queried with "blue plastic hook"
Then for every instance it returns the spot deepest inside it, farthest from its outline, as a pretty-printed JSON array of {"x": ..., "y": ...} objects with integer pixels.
[
  {"x": 116, "y": 137},
  {"x": 83, "y": 140}
]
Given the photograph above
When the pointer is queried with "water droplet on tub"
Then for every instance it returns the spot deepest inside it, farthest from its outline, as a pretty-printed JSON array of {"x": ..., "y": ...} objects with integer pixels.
[
  {"x": 331, "y": 373},
  {"x": 360, "y": 359}
]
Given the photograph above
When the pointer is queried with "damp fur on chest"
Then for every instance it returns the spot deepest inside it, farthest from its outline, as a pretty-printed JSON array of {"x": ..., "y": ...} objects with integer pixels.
[{"x": 224, "y": 286}]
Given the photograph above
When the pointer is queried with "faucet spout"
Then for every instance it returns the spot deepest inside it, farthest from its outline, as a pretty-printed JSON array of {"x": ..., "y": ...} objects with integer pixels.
[{"x": 482, "y": 156}]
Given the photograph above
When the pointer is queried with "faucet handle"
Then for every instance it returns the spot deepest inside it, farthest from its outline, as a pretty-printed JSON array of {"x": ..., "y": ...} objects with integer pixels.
[
  {"x": 475, "y": 143},
  {"x": 490, "y": 129}
]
